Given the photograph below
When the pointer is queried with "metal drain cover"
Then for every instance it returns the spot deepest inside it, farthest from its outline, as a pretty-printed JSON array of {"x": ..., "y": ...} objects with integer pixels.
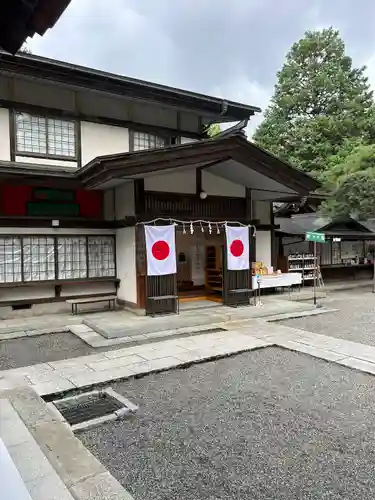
[
  {"x": 87, "y": 407},
  {"x": 93, "y": 408}
]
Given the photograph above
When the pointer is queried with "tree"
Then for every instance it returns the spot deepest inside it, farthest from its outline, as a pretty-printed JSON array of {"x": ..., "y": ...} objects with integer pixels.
[
  {"x": 320, "y": 103},
  {"x": 213, "y": 130},
  {"x": 351, "y": 180}
]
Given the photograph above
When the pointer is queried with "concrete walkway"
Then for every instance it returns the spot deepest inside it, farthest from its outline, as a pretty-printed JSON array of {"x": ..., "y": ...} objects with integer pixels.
[
  {"x": 86, "y": 371},
  {"x": 122, "y": 323},
  {"x": 51, "y": 462}
]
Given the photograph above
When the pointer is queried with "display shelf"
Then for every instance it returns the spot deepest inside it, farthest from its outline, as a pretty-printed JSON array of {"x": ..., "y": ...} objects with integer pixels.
[
  {"x": 302, "y": 258},
  {"x": 305, "y": 264},
  {"x": 214, "y": 279}
]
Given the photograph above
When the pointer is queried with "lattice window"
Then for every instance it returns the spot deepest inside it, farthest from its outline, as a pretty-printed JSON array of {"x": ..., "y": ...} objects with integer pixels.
[
  {"x": 31, "y": 134},
  {"x": 33, "y": 258},
  {"x": 10, "y": 259},
  {"x": 72, "y": 257},
  {"x": 61, "y": 140},
  {"x": 38, "y": 258},
  {"x": 49, "y": 137},
  {"x": 101, "y": 257},
  {"x": 144, "y": 140}
]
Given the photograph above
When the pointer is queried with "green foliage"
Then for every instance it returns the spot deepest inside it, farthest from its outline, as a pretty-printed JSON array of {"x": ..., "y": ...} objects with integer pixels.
[
  {"x": 320, "y": 104},
  {"x": 213, "y": 130},
  {"x": 351, "y": 180}
]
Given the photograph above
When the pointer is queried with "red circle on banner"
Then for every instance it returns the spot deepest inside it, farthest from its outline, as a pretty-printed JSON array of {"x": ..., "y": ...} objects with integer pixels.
[
  {"x": 236, "y": 248},
  {"x": 160, "y": 250}
]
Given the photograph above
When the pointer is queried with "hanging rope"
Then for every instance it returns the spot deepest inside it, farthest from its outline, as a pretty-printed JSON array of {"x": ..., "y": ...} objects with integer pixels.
[{"x": 200, "y": 222}]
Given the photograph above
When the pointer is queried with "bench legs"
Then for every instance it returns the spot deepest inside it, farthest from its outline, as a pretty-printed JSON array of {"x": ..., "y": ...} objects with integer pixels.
[
  {"x": 111, "y": 307},
  {"x": 153, "y": 306}
]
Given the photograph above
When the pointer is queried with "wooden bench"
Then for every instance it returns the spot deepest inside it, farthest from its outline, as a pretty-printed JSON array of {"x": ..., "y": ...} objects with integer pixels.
[
  {"x": 153, "y": 301},
  {"x": 111, "y": 299}
]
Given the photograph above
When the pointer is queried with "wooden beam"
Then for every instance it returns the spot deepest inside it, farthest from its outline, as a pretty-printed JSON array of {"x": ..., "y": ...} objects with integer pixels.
[
  {"x": 198, "y": 181},
  {"x": 139, "y": 196}
]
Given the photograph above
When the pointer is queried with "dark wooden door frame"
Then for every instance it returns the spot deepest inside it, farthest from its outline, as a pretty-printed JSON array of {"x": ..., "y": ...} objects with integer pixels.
[
  {"x": 149, "y": 288},
  {"x": 237, "y": 285}
]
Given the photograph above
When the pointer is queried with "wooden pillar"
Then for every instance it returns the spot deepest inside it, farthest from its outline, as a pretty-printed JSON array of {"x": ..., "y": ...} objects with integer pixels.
[
  {"x": 140, "y": 253},
  {"x": 249, "y": 218},
  {"x": 274, "y": 248},
  {"x": 139, "y": 197},
  {"x": 140, "y": 247}
]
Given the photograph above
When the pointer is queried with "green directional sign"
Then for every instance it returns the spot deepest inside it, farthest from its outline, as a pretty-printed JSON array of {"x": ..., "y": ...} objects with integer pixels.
[{"x": 317, "y": 237}]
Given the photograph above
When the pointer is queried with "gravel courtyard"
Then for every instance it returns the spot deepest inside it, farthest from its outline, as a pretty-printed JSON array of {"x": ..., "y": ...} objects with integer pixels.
[
  {"x": 354, "y": 321},
  {"x": 42, "y": 348},
  {"x": 270, "y": 424}
]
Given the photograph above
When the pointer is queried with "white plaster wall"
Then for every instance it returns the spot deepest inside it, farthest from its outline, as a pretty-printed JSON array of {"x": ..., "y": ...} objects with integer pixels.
[
  {"x": 263, "y": 247},
  {"x": 124, "y": 200},
  {"x": 4, "y": 135},
  {"x": 98, "y": 139},
  {"x": 108, "y": 202},
  {"x": 46, "y": 161},
  {"x": 185, "y": 182},
  {"x": 218, "y": 186},
  {"x": 262, "y": 211},
  {"x": 175, "y": 182},
  {"x": 126, "y": 264}
]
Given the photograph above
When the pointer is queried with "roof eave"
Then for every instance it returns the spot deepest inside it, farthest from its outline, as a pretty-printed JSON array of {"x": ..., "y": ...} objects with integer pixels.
[
  {"x": 236, "y": 147},
  {"x": 23, "y": 20},
  {"x": 40, "y": 67}
]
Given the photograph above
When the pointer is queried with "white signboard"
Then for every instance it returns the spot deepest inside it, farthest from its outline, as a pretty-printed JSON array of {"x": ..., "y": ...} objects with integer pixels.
[{"x": 197, "y": 264}]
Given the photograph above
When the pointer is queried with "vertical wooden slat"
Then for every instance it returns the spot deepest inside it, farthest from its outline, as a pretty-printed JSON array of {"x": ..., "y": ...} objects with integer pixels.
[{"x": 191, "y": 206}]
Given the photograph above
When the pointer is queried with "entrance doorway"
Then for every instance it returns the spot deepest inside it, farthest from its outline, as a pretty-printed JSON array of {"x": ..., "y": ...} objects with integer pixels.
[{"x": 199, "y": 265}]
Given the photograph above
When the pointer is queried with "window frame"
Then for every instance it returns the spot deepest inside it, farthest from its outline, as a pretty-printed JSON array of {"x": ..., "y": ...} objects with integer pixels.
[
  {"x": 47, "y": 156},
  {"x": 162, "y": 135},
  {"x": 56, "y": 280}
]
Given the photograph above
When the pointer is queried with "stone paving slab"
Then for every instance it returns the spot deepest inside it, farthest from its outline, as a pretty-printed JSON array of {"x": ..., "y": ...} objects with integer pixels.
[
  {"x": 89, "y": 480},
  {"x": 38, "y": 475},
  {"x": 52, "y": 462},
  {"x": 121, "y": 326},
  {"x": 86, "y": 371}
]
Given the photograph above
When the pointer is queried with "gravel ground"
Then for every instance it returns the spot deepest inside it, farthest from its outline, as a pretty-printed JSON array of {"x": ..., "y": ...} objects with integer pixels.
[
  {"x": 270, "y": 424},
  {"x": 27, "y": 351},
  {"x": 354, "y": 321}
]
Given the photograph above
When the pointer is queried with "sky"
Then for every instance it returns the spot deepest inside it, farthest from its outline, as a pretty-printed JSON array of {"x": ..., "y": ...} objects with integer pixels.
[{"x": 226, "y": 48}]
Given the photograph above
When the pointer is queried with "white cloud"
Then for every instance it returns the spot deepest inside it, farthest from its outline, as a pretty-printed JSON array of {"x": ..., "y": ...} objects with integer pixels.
[
  {"x": 246, "y": 91},
  {"x": 230, "y": 51},
  {"x": 370, "y": 72}
]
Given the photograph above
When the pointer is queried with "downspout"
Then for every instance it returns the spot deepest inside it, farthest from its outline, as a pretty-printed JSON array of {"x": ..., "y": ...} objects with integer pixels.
[{"x": 224, "y": 109}]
